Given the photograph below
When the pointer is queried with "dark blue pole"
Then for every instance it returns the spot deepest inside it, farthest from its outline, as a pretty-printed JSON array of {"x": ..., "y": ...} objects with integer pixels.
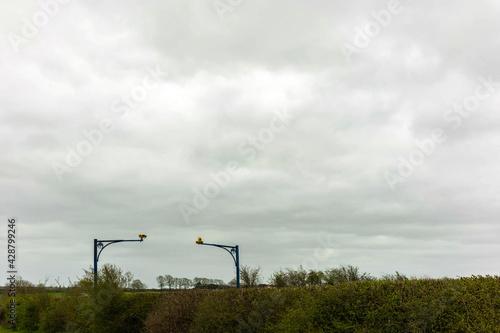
[
  {"x": 95, "y": 263},
  {"x": 237, "y": 267},
  {"x": 234, "y": 252},
  {"x": 100, "y": 244}
]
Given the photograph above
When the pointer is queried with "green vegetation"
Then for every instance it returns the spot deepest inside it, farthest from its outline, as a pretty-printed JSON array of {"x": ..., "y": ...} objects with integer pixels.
[
  {"x": 337, "y": 300},
  {"x": 451, "y": 305},
  {"x": 80, "y": 308}
]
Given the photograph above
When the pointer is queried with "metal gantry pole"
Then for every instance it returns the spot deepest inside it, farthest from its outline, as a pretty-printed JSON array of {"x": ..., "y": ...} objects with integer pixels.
[
  {"x": 99, "y": 244},
  {"x": 236, "y": 256},
  {"x": 237, "y": 267},
  {"x": 95, "y": 263}
]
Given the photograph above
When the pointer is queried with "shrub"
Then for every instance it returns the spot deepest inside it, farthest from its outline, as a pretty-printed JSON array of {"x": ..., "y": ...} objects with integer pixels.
[
  {"x": 250, "y": 277},
  {"x": 29, "y": 309},
  {"x": 135, "y": 309},
  {"x": 174, "y": 311},
  {"x": 60, "y": 312}
]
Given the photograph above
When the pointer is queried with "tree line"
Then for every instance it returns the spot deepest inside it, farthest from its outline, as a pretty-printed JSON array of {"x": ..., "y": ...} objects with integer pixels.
[
  {"x": 288, "y": 277},
  {"x": 171, "y": 282},
  {"x": 250, "y": 277},
  {"x": 346, "y": 273}
]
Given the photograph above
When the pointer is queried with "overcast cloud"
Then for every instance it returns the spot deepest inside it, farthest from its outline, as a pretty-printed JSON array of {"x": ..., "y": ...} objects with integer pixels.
[{"x": 311, "y": 133}]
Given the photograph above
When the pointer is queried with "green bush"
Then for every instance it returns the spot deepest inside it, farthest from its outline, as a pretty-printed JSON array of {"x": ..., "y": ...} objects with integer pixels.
[
  {"x": 60, "y": 312},
  {"x": 107, "y": 311},
  {"x": 175, "y": 311},
  {"x": 29, "y": 310},
  {"x": 136, "y": 308},
  {"x": 223, "y": 311}
]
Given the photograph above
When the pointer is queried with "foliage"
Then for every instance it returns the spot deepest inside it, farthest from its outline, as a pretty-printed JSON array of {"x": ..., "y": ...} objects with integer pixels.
[
  {"x": 185, "y": 283},
  {"x": 315, "y": 278},
  {"x": 353, "y": 302},
  {"x": 169, "y": 279},
  {"x": 425, "y": 305},
  {"x": 138, "y": 285},
  {"x": 96, "y": 313},
  {"x": 394, "y": 277},
  {"x": 83, "y": 309},
  {"x": 61, "y": 311},
  {"x": 174, "y": 312},
  {"x": 279, "y": 279},
  {"x": 345, "y": 274},
  {"x": 133, "y": 311},
  {"x": 297, "y": 278},
  {"x": 75, "y": 312},
  {"x": 31, "y": 300},
  {"x": 250, "y": 277},
  {"x": 162, "y": 281},
  {"x": 109, "y": 277},
  {"x": 128, "y": 278},
  {"x": 302, "y": 278}
]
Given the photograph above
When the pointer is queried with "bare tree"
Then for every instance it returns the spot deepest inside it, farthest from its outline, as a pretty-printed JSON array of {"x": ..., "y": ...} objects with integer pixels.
[
  {"x": 169, "y": 281},
  {"x": 315, "y": 278},
  {"x": 289, "y": 278},
  {"x": 297, "y": 278},
  {"x": 162, "y": 281},
  {"x": 394, "y": 277},
  {"x": 138, "y": 285},
  {"x": 232, "y": 283},
  {"x": 198, "y": 281},
  {"x": 185, "y": 283},
  {"x": 176, "y": 283},
  {"x": 251, "y": 277},
  {"x": 58, "y": 282},
  {"x": 279, "y": 279},
  {"x": 219, "y": 282},
  {"x": 346, "y": 274},
  {"x": 128, "y": 278}
]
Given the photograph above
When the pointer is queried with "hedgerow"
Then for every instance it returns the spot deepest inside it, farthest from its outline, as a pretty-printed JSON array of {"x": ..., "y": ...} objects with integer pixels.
[
  {"x": 469, "y": 304},
  {"x": 452, "y": 305}
]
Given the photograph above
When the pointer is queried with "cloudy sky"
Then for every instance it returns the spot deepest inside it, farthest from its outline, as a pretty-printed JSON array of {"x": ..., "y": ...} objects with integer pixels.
[{"x": 314, "y": 133}]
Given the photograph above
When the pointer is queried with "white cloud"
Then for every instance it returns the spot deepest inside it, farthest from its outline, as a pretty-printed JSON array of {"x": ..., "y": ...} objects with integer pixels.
[{"x": 322, "y": 175}]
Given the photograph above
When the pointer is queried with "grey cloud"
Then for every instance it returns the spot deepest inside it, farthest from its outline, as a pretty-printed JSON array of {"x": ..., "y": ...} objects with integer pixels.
[{"x": 322, "y": 174}]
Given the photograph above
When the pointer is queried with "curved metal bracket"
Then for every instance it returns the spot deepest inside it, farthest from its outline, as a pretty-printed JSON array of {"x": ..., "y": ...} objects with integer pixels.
[
  {"x": 101, "y": 246},
  {"x": 234, "y": 252},
  {"x": 226, "y": 247},
  {"x": 231, "y": 253}
]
